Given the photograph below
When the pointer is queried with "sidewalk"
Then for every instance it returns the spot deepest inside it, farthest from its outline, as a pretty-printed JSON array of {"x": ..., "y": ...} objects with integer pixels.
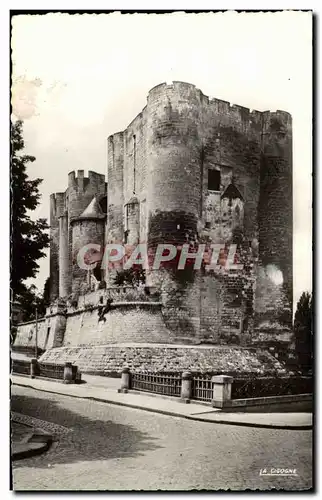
[{"x": 104, "y": 389}]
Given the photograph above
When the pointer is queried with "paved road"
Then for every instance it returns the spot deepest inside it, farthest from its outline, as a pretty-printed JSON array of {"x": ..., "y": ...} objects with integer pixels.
[{"x": 117, "y": 448}]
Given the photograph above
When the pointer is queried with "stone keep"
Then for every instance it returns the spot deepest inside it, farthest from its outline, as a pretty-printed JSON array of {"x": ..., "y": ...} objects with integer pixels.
[{"x": 190, "y": 169}]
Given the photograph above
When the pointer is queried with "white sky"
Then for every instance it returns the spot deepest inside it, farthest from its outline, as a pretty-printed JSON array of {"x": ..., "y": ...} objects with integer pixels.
[{"x": 78, "y": 79}]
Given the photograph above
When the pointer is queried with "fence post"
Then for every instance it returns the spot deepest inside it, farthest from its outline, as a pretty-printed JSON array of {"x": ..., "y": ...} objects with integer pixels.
[
  {"x": 68, "y": 373},
  {"x": 125, "y": 380},
  {"x": 221, "y": 395},
  {"x": 33, "y": 368},
  {"x": 186, "y": 386}
]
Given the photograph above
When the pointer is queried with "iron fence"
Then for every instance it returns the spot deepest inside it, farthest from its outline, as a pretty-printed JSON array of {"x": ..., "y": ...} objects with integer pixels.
[
  {"x": 201, "y": 388},
  {"x": 51, "y": 370},
  {"x": 46, "y": 370},
  {"x": 168, "y": 384},
  {"x": 20, "y": 366}
]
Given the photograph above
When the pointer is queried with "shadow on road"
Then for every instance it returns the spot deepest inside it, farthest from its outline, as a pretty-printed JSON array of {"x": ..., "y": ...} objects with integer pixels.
[{"x": 91, "y": 438}]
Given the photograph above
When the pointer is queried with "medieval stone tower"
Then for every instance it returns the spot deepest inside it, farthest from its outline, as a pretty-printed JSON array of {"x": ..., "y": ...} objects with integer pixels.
[
  {"x": 202, "y": 170},
  {"x": 189, "y": 169},
  {"x": 77, "y": 217}
]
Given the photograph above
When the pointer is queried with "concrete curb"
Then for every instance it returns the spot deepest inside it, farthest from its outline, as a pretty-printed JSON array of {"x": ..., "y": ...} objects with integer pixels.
[
  {"x": 174, "y": 414},
  {"x": 37, "y": 442}
]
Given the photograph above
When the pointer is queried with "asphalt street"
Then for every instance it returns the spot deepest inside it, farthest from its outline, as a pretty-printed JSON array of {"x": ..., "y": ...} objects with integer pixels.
[{"x": 105, "y": 447}]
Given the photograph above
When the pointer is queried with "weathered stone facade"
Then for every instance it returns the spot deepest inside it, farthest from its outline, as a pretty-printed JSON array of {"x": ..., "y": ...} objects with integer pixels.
[
  {"x": 205, "y": 171},
  {"x": 188, "y": 169}
]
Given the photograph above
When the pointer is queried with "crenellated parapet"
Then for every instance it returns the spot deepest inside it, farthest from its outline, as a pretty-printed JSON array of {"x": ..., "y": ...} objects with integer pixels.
[{"x": 81, "y": 190}]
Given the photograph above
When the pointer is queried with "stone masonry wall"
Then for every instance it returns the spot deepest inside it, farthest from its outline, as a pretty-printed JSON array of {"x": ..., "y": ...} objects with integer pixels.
[
  {"x": 57, "y": 208},
  {"x": 26, "y": 334},
  {"x": 51, "y": 330},
  {"x": 135, "y": 158},
  {"x": 115, "y": 189},
  {"x": 162, "y": 358},
  {"x": 124, "y": 323}
]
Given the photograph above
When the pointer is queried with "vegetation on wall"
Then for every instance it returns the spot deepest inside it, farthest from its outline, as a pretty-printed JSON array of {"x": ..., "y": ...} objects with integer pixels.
[
  {"x": 135, "y": 276},
  {"x": 303, "y": 332}
]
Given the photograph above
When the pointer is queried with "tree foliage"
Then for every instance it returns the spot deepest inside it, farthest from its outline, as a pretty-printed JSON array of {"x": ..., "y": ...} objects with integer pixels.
[
  {"x": 303, "y": 330},
  {"x": 29, "y": 238},
  {"x": 29, "y": 301}
]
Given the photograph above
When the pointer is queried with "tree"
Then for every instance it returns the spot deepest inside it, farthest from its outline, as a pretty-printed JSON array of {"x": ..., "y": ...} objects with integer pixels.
[
  {"x": 28, "y": 237},
  {"x": 303, "y": 330},
  {"x": 46, "y": 293}
]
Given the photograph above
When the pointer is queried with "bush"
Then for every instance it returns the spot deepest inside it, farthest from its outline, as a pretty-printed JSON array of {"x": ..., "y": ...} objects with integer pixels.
[
  {"x": 131, "y": 277},
  {"x": 264, "y": 387}
]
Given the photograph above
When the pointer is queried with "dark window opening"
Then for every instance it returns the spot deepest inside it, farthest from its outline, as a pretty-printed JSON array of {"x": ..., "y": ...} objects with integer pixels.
[
  {"x": 47, "y": 337},
  {"x": 207, "y": 225},
  {"x": 214, "y": 180},
  {"x": 103, "y": 204},
  {"x": 234, "y": 298},
  {"x": 97, "y": 272}
]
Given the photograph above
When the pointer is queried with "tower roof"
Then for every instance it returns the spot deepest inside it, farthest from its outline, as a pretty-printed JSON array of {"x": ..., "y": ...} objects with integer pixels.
[{"x": 92, "y": 211}]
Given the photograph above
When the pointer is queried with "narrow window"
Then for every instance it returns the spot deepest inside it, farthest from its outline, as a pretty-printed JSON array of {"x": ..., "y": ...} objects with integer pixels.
[
  {"x": 213, "y": 180},
  {"x": 97, "y": 272},
  {"x": 103, "y": 204},
  {"x": 47, "y": 337}
]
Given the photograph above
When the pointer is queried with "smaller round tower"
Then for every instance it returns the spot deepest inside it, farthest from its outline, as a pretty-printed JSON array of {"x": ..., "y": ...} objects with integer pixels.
[{"x": 87, "y": 229}]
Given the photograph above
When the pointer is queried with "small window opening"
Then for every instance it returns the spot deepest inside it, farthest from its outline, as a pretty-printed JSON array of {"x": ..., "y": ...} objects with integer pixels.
[
  {"x": 97, "y": 273},
  {"x": 103, "y": 204},
  {"x": 47, "y": 336},
  {"x": 213, "y": 180}
]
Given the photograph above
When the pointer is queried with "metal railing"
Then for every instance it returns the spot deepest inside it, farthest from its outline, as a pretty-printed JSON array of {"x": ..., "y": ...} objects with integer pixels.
[
  {"x": 168, "y": 384},
  {"x": 46, "y": 370},
  {"x": 20, "y": 366},
  {"x": 201, "y": 388},
  {"x": 50, "y": 370}
]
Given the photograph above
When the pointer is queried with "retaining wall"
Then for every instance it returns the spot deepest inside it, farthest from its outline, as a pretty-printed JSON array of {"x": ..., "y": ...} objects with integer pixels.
[{"x": 110, "y": 359}]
